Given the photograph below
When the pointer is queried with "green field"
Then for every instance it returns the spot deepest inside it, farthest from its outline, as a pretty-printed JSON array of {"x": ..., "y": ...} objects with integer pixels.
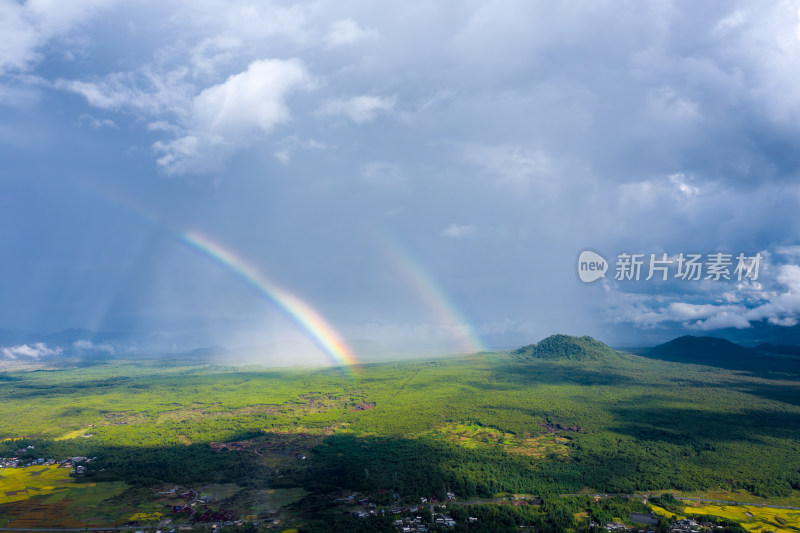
[{"x": 479, "y": 426}]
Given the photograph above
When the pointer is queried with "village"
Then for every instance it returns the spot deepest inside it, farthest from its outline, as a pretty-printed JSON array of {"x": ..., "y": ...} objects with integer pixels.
[{"x": 78, "y": 464}]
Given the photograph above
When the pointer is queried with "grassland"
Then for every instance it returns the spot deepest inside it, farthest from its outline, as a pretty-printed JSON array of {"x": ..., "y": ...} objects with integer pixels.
[{"x": 477, "y": 425}]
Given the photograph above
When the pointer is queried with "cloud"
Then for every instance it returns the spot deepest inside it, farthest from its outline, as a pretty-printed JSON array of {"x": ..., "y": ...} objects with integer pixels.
[
  {"x": 750, "y": 304},
  {"x": 459, "y": 231},
  {"x": 284, "y": 156},
  {"x": 231, "y": 115},
  {"x": 252, "y": 101},
  {"x": 359, "y": 109},
  {"x": 514, "y": 166},
  {"x": 34, "y": 351},
  {"x": 95, "y": 123},
  {"x": 792, "y": 252},
  {"x": 346, "y": 32},
  {"x": 731, "y": 22},
  {"x": 28, "y": 26},
  {"x": 145, "y": 92}
]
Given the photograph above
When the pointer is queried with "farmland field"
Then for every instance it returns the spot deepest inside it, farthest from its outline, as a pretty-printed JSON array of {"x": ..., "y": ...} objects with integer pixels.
[
  {"x": 46, "y": 495},
  {"x": 751, "y": 517}
]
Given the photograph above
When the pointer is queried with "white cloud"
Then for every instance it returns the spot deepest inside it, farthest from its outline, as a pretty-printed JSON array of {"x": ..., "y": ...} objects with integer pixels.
[
  {"x": 145, "y": 92},
  {"x": 791, "y": 252},
  {"x": 232, "y": 114},
  {"x": 347, "y": 31},
  {"x": 359, "y": 109},
  {"x": 751, "y": 304},
  {"x": 163, "y": 125},
  {"x": 459, "y": 231},
  {"x": 731, "y": 22},
  {"x": 784, "y": 322},
  {"x": 35, "y": 350},
  {"x": 242, "y": 24},
  {"x": 678, "y": 187},
  {"x": 682, "y": 183},
  {"x": 96, "y": 123},
  {"x": 513, "y": 166},
  {"x": 28, "y": 26},
  {"x": 250, "y": 101},
  {"x": 720, "y": 320}
]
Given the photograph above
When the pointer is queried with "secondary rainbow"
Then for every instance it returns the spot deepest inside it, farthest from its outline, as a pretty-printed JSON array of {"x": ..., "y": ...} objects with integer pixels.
[
  {"x": 303, "y": 314},
  {"x": 432, "y": 296}
]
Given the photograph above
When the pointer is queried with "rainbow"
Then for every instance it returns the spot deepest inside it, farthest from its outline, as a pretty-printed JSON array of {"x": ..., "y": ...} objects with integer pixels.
[
  {"x": 444, "y": 311},
  {"x": 303, "y": 314},
  {"x": 309, "y": 320}
]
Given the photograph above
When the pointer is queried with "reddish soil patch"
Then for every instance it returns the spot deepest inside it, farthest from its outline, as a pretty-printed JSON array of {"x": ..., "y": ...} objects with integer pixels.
[{"x": 363, "y": 406}]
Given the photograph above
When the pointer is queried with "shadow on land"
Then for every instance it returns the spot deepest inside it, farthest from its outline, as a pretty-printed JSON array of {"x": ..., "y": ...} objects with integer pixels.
[{"x": 655, "y": 374}]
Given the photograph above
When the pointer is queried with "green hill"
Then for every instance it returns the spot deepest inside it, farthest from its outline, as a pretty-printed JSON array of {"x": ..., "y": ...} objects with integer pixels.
[
  {"x": 702, "y": 349},
  {"x": 707, "y": 347},
  {"x": 567, "y": 347}
]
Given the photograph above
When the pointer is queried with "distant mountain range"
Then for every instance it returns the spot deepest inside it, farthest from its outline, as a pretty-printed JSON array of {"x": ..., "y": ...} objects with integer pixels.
[
  {"x": 723, "y": 353},
  {"x": 712, "y": 351}
]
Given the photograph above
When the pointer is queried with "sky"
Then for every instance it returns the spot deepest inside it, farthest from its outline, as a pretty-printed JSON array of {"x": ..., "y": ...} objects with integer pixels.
[{"x": 377, "y": 179}]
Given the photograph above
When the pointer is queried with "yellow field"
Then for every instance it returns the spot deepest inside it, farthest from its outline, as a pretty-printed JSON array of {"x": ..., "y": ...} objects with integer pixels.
[
  {"x": 72, "y": 434},
  {"x": 473, "y": 436},
  {"x": 742, "y": 496},
  {"x": 751, "y": 517},
  {"x": 660, "y": 511},
  {"x": 18, "y": 484},
  {"x": 146, "y": 516}
]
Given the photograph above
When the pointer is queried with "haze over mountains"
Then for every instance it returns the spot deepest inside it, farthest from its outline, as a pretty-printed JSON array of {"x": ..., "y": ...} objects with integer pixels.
[{"x": 82, "y": 345}]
